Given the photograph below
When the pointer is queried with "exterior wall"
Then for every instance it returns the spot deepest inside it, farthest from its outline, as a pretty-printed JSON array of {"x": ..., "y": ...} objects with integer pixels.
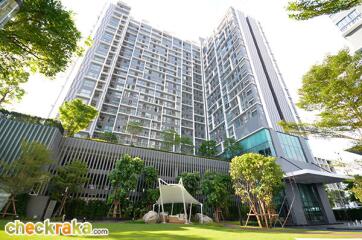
[
  {"x": 349, "y": 22},
  {"x": 134, "y": 72},
  {"x": 101, "y": 158},
  {"x": 12, "y": 133},
  {"x": 8, "y": 9}
]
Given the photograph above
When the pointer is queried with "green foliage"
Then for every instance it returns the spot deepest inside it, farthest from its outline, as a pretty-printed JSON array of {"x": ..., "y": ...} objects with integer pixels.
[
  {"x": 232, "y": 148},
  {"x": 124, "y": 176},
  {"x": 348, "y": 214},
  {"x": 150, "y": 193},
  {"x": 109, "y": 137},
  {"x": 333, "y": 88},
  {"x": 72, "y": 176},
  {"x": 172, "y": 141},
  {"x": 134, "y": 128},
  {"x": 93, "y": 210},
  {"x": 357, "y": 187},
  {"x": 306, "y": 9},
  {"x": 208, "y": 148},
  {"x": 29, "y": 169},
  {"x": 21, "y": 203},
  {"x": 335, "y": 196},
  {"x": 76, "y": 116},
  {"x": 191, "y": 182},
  {"x": 41, "y": 37},
  {"x": 30, "y": 119},
  {"x": 256, "y": 180},
  {"x": 216, "y": 187}
]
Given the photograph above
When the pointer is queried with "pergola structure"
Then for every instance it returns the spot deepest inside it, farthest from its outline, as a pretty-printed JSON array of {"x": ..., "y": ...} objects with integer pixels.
[{"x": 176, "y": 193}]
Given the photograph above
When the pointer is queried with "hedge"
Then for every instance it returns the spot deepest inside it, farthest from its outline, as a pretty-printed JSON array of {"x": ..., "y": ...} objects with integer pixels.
[
  {"x": 348, "y": 214},
  {"x": 5, "y": 114}
]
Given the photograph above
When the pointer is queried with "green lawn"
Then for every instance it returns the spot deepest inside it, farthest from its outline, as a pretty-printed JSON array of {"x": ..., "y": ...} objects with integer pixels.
[{"x": 196, "y": 232}]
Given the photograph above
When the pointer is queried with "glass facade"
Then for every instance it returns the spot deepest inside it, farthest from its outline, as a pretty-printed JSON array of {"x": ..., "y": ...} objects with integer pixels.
[
  {"x": 311, "y": 205},
  {"x": 291, "y": 147},
  {"x": 259, "y": 142}
]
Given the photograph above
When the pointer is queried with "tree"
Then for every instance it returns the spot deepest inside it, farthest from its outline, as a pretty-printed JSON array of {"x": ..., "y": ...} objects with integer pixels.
[
  {"x": 150, "y": 193},
  {"x": 123, "y": 180},
  {"x": 306, "y": 9},
  {"x": 216, "y": 187},
  {"x": 109, "y": 137},
  {"x": 336, "y": 196},
  {"x": 191, "y": 182},
  {"x": 21, "y": 175},
  {"x": 172, "y": 141},
  {"x": 256, "y": 179},
  {"x": 41, "y": 37},
  {"x": 208, "y": 148},
  {"x": 134, "y": 128},
  {"x": 232, "y": 148},
  {"x": 68, "y": 180},
  {"x": 357, "y": 188},
  {"x": 334, "y": 88},
  {"x": 76, "y": 116}
]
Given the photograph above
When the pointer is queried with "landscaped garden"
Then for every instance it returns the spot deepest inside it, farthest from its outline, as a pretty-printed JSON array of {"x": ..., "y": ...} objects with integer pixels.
[{"x": 228, "y": 230}]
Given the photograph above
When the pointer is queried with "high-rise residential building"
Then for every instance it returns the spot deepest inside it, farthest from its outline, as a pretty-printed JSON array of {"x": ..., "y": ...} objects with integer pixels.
[
  {"x": 7, "y": 10},
  {"x": 226, "y": 86},
  {"x": 349, "y": 22},
  {"x": 135, "y": 72}
]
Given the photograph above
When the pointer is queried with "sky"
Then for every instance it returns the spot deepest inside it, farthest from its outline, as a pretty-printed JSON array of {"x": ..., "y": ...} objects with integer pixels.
[{"x": 296, "y": 45}]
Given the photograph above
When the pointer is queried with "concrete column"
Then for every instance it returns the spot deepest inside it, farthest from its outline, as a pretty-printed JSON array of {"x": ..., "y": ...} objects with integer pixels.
[
  {"x": 297, "y": 212},
  {"x": 325, "y": 206}
]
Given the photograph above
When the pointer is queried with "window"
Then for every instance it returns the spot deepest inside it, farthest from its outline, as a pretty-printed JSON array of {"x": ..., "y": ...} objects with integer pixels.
[
  {"x": 291, "y": 147},
  {"x": 98, "y": 58},
  {"x": 107, "y": 37},
  {"x": 94, "y": 70},
  {"x": 87, "y": 88},
  {"x": 102, "y": 49},
  {"x": 348, "y": 20},
  {"x": 114, "y": 22}
]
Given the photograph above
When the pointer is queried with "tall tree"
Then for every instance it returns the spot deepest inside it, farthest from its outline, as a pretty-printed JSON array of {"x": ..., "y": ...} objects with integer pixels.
[
  {"x": 216, "y": 187},
  {"x": 334, "y": 89},
  {"x": 134, "y": 128},
  {"x": 68, "y": 180},
  {"x": 150, "y": 193},
  {"x": 208, "y": 148},
  {"x": 232, "y": 148},
  {"x": 256, "y": 179},
  {"x": 41, "y": 37},
  {"x": 124, "y": 179},
  {"x": 191, "y": 182},
  {"x": 76, "y": 116},
  {"x": 306, "y": 9},
  {"x": 28, "y": 170},
  {"x": 357, "y": 188}
]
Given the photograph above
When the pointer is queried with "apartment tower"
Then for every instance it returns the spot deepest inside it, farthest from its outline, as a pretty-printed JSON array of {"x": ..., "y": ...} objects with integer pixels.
[{"x": 226, "y": 86}]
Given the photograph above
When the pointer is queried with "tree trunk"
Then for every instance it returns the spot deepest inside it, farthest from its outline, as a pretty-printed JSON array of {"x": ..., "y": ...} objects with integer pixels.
[{"x": 217, "y": 219}]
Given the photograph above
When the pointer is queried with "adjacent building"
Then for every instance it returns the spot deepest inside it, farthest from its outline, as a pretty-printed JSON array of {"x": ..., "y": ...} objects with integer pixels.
[
  {"x": 8, "y": 8},
  {"x": 135, "y": 72},
  {"x": 226, "y": 86},
  {"x": 349, "y": 22}
]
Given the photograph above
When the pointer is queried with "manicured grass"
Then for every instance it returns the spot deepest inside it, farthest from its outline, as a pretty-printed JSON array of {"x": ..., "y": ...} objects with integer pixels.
[{"x": 196, "y": 232}]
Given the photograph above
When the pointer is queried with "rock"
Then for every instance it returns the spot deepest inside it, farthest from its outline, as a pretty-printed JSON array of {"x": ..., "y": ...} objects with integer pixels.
[
  {"x": 205, "y": 219},
  {"x": 150, "y": 217},
  {"x": 163, "y": 216}
]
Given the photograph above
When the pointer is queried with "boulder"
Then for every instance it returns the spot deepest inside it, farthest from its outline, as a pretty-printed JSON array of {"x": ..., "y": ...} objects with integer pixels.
[
  {"x": 203, "y": 218},
  {"x": 150, "y": 217}
]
